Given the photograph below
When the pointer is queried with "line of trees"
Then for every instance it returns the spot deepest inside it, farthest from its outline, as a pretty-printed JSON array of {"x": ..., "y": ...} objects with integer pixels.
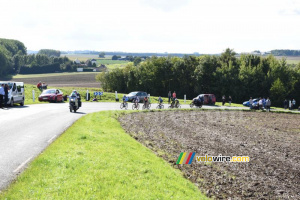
[
  {"x": 285, "y": 52},
  {"x": 9, "y": 49},
  {"x": 49, "y": 52},
  {"x": 244, "y": 77},
  {"x": 14, "y": 59}
]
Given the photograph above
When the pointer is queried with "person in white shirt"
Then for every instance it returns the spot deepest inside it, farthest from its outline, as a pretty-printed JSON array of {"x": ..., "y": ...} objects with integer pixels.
[
  {"x": 2, "y": 93},
  {"x": 260, "y": 104}
]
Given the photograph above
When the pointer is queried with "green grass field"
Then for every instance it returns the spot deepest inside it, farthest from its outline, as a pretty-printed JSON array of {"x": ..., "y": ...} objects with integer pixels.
[{"x": 96, "y": 159}]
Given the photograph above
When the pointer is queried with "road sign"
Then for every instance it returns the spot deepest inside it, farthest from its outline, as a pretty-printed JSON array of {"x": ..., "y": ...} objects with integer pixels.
[{"x": 98, "y": 93}]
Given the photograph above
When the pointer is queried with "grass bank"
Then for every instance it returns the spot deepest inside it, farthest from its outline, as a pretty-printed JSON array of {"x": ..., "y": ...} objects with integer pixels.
[{"x": 96, "y": 159}]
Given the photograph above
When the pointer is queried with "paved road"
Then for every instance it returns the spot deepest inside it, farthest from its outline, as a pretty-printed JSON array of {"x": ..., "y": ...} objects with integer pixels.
[{"x": 26, "y": 131}]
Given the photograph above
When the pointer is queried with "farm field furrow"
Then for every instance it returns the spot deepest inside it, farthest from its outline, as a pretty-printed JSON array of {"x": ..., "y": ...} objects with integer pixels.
[{"x": 270, "y": 140}]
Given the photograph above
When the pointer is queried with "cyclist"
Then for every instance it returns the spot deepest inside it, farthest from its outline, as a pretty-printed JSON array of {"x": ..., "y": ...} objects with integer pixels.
[
  {"x": 125, "y": 99},
  {"x": 146, "y": 103},
  {"x": 176, "y": 102},
  {"x": 136, "y": 101},
  {"x": 160, "y": 100}
]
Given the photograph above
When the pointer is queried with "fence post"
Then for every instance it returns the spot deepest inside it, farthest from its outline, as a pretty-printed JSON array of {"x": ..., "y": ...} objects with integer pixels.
[
  {"x": 185, "y": 98},
  {"x": 33, "y": 97},
  {"x": 87, "y": 95}
]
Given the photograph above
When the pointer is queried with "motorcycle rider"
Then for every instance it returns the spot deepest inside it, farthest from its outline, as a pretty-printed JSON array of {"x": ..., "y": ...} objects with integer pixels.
[
  {"x": 77, "y": 98},
  {"x": 199, "y": 101}
]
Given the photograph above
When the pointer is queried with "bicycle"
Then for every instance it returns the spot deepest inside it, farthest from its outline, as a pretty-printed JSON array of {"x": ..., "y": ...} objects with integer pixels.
[
  {"x": 146, "y": 106},
  {"x": 124, "y": 105},
  {"x": 175, "y": 104},
  {"x": 135, "y": 106},
  {"x": 160, "y": 106}
]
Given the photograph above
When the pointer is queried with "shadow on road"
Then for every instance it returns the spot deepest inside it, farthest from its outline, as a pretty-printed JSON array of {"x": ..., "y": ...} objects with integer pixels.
[
  {"x": 81, "y": 113},
  {"x": 15, "y": 107}
]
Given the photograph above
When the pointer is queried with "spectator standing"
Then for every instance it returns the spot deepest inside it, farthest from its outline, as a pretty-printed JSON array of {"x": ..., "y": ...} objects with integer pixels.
[
  {"x": 268, "y": 104},
  {"x": 250, "y": 102},
  {"x": 293, "y": 104},
  {"x": 44, "y": 86},
  {"x": 285, "y": 104},
  {"x": 290, "y": 104},
  {"x": 260, "y": 104},
  {"x": 229, "y": 100},
  {"x": 223, "y": 100},
  {"x": 264, "y": 102},
  {"x": 1, "y": 95},
  {"x": 5, "y": 95},
  {"x": 169, "y": 96}
]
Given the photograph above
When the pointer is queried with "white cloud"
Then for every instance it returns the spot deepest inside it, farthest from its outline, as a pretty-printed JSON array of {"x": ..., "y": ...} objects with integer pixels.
[{"x": 152, "y": 26}]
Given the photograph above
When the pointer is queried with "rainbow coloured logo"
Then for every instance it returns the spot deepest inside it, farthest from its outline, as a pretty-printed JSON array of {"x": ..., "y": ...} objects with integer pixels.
[{"x": 183, "y": 159}]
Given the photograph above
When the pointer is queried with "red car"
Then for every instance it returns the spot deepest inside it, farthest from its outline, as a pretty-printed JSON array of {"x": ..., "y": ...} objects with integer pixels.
[{"x": 52, "y": 95}]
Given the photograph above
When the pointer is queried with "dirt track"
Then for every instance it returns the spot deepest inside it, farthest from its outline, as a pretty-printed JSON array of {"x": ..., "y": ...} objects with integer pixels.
[
  {"x": 80, "y": 80},
  {"x": 272, "y": 141}
]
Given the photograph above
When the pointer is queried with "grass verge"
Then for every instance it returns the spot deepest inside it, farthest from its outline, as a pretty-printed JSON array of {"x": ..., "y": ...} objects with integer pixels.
[{"x": 96, "y": 159}]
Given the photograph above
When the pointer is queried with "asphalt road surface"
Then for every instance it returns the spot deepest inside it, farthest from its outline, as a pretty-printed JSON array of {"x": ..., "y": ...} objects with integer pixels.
[{"x": 26, "y": 131}]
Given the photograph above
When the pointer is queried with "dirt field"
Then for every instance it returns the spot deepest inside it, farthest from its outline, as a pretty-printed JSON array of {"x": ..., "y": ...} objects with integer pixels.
[
  {"x": 272, "y": 141},
  {"x": 74, "y": 80}
]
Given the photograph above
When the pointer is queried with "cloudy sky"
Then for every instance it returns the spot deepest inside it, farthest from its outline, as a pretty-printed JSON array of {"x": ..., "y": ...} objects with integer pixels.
[{"x": 182, "y": 26}]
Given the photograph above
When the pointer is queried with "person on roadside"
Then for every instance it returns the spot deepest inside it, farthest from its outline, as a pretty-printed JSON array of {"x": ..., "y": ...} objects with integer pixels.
[
  {"x": 223, "y": 100},
  {"x": 290, "y": 105},
  {"x": 5, "y": 95},
  {"x": 39, "y": 85},
  {"x": 294, "y": 104},
  {"x": 268, "y": 104},
  {"x": 1, "y": 95},
  {"x": 285, "y": 104},
  {"x": 260, "y": 104},
  {"x": 44, "y": 86},
  {"x": 264, "y": 102},
  {"x": 250, "y": 102},
  {"x": 174, "y": 95},
  {"x": 229, "y": 100},
  {"x": 146, "y": 102},
  {"x": 169, "y": 96}
]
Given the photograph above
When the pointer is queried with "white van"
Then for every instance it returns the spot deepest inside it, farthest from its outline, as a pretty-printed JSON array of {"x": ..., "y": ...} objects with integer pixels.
[{"x": 16, "y": 92}]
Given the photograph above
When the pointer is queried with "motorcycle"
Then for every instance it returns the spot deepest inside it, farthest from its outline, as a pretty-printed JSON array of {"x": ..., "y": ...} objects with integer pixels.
[
  {"x": 196, "y": 103},
  {"x": 74, "y": 103}
]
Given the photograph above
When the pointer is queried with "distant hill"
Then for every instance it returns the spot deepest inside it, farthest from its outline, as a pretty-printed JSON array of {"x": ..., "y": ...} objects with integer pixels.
[{"x": 120, "y": 53}]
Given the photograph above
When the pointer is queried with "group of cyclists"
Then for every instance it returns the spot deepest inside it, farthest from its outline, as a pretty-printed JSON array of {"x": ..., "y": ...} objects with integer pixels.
[{"x": 147, "y": 103}]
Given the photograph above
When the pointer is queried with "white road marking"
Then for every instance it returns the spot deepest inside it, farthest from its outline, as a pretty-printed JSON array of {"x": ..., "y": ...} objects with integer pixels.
[
  {"x": 23, "y": 164},
  {"x": 49, "y": 141}
]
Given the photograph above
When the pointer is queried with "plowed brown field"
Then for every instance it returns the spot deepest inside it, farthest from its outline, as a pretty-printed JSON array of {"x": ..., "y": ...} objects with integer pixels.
[{"x": 271, "y": 140}]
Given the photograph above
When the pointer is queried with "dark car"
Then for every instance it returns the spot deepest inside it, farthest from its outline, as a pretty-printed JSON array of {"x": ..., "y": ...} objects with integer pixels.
[
  {"x": 52, "y": 95},
  {"x": 254, "y": 104},
  {"x": 207, "y": 99},
  {"x": 132, "y": 95}
]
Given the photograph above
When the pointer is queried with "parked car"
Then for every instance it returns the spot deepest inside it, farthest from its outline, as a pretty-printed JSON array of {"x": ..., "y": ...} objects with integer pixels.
[
  {"x": 207, "y": 99},
  {"x": 254, "y": 104},
  {"x": 132, "y": 95},
  {"x": 52, "y": 95},
  {"x": 16, "y": 93}
]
